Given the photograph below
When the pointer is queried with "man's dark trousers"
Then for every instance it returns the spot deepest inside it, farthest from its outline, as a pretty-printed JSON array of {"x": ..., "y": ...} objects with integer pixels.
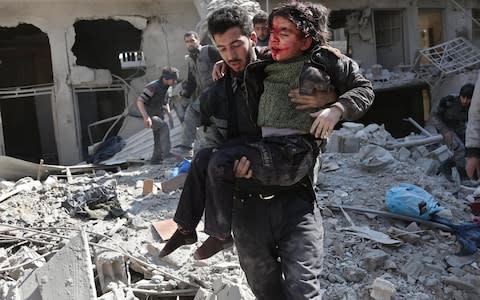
[{"x": 280, "y": 244}]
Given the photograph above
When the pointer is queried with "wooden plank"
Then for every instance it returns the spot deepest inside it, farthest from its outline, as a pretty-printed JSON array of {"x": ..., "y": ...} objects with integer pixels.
[
  {"x": 147, "y": 186},
  {"x": 173, "y": 183},
  {"x": 165, "y": 228}
]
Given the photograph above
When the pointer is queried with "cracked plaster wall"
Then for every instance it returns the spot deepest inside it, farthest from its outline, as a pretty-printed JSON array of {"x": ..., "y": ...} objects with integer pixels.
[{"x": 56, "y": 19}]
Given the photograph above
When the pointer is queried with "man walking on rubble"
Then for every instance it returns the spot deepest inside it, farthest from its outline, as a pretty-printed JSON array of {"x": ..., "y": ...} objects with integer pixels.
[
  {"x": 152, "y": 105},
  {"x": 200, "y": 60},
  {"x": 289, "y": 276},
  {"x": 472, "y": 136},
  {"x": 450, "y": 119}
]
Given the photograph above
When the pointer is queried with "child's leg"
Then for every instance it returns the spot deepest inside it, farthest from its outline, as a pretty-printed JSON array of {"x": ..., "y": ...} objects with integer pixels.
[
  {"x": 283, "y": 160},
  {"x": 191, "y": 204}
]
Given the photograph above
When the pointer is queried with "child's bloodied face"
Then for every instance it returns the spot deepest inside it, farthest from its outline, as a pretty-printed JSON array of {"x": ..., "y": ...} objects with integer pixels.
[{"x": 286, "y": 41}]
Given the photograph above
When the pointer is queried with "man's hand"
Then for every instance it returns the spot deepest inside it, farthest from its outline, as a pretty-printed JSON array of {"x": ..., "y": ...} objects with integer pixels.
[
  {"x": 219, "y": 69},
  {"x": 325, "y": 121},
  {"x": 241, "y": 168},
  {"x": 448, "y": 137},
  {"x": 147, "y": 122},
  {"x": 472, "y": 166},
  {"x": 317, "y": 100}
]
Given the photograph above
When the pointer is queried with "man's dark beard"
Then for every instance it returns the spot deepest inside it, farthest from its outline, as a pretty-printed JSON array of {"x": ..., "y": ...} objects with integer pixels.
[
  {"x": 251, "y": 57},
  {"x": 193, "y": 53}
]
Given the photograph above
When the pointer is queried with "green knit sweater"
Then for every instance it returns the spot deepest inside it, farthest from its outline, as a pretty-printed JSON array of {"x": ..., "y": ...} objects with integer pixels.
[{"x": 275, "y": 108}]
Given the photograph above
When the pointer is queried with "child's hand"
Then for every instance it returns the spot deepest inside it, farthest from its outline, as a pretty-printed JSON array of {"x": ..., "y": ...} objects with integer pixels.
[
  {"x": 219, "y": 69},
  {"x": 241, "y": 168},
  {"x": 325, "y": 121},
  {"x": 317, "y": 100}
]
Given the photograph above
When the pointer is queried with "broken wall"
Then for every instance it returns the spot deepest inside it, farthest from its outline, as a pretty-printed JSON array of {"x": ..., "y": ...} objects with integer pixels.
[
  {"x": 163, "y": 22},
  {"x": 362, "y": 32}
]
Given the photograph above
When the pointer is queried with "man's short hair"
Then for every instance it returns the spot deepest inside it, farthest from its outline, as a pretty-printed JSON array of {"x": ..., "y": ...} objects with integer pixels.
[
  {"x": 190, "y": 33},
  {"x": 228, "y": 17},
  {"x": 260, "y": 17},
  {"x": 310, "y": 19},
  {"x": 467, "y": 90},
  {"x": 169, "y": 73}
]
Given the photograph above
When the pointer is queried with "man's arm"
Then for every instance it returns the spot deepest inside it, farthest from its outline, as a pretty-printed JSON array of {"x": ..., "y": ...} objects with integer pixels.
[
  {"x": 356, "y": 95},
  {"x": 147, "y": 122},
  {"x": 472, "y": 135},
  {"x": 438, "y": 114},
  {"x": 190, "y": 84},
  {"x": 213, "y": 135}
]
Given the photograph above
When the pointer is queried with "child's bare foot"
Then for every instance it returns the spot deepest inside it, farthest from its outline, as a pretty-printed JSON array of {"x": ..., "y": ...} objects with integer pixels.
[{"x": 211, "y": 246}]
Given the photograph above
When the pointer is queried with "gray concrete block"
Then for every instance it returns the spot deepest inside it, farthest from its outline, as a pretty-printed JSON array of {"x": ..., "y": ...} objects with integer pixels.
[
  {"x": 111, "y": 268},
  {"x": 67, "y": 275}
]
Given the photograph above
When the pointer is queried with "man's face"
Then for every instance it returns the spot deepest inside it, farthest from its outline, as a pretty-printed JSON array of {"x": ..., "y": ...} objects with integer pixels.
[
  {"x": 261, "y": 29},
  {"x": 234, "y": 48},
  {"x": 465, "y": 101},
  {"x": 286, "y": 41},
  {"x": 191, "y": 43}
]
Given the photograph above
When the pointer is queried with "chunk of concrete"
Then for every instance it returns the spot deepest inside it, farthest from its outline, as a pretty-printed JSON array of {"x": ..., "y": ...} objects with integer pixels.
[
  {"x": 111, "y": 269},
  {"x": 343, "y": 141},
  {"x": 428, "y": 165},
  {"x": 442, "y": 153},
  {"x": 382, "y": 289},
  {"x": 67, "y": 275},
  {"x": 353, "y": 127}
]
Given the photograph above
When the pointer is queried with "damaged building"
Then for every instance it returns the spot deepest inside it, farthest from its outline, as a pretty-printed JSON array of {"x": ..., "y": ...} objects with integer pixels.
[
  {"x": 70, "y": 72},
  {"x": 66, "y": 65}
]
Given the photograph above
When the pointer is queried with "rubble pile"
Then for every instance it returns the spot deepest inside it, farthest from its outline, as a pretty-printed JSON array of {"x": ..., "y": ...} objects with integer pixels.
[{"x": 115, "y": 256}]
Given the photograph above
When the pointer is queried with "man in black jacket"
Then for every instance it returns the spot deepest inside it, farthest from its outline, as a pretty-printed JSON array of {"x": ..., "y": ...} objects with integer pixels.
[{"x": 229, "y": 112}]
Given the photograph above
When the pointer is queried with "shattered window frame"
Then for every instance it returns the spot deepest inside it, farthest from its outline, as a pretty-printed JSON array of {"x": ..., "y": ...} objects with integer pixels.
[{"x": 386, "y": 30}]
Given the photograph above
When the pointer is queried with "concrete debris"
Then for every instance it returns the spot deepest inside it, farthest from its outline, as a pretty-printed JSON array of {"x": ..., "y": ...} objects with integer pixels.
[
  {"x": 375, "y": 158},
  {"x": 382, "y": 289},
  {"x": 224, "y": 290},
  {"x": 421, "y": 263},
  {"x": 111, "y": 268},
  {"x": 67, "y": 275}
]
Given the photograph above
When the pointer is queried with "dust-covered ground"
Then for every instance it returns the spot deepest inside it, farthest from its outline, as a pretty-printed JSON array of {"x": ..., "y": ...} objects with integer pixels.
[{"x": 421, "y": 265}]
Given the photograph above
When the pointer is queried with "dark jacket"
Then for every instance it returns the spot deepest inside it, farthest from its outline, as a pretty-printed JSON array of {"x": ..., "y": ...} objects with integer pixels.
[
  {"x": 219, "y": 112},
  {"x": 450, "y": 115},
  {"x": 355, "y": 94},
  {"x": 199, "y": 76}
]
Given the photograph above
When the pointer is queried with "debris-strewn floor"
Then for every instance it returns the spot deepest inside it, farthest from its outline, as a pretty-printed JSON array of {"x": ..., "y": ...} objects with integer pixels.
[{"x": 422, "y": 266}]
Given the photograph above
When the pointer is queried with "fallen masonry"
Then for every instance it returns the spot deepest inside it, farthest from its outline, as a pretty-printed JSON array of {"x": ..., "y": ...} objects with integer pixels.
[{"x": 46, "y": 248}]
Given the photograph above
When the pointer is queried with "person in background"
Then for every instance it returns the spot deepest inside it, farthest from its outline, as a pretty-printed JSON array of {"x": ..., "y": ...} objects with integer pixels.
[
  {"x": 450, "y": 119},
  {"x": 260, "y": 26},
  {"x": 152, "y": 105},
  {"x": 472, "y": 136},
  {"x": 200, "y": 60}
]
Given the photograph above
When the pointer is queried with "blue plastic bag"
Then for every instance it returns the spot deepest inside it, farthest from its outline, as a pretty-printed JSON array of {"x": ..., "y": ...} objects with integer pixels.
[
  {"x": 182, "y": 168},
  {"x": 410, "y": 200}
]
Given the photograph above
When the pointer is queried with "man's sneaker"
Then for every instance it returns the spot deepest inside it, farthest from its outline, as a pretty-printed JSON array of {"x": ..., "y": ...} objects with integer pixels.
[
  {"x": 178, "y": 239},
  {"x": 183, "y": 151},
  {"x": 211, "y": 246}
]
